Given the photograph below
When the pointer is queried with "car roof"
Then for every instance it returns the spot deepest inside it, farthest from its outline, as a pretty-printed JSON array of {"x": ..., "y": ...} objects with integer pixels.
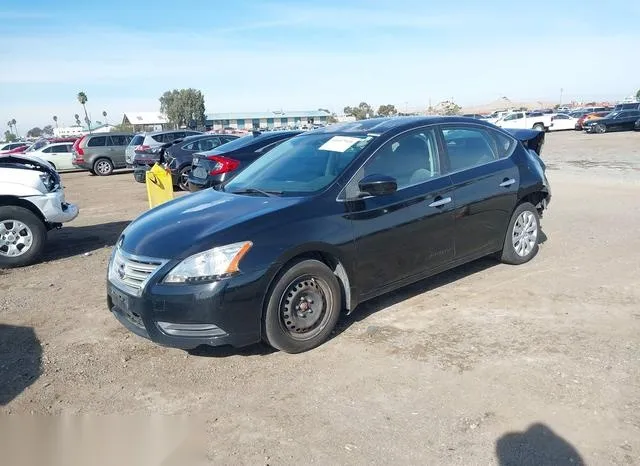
[
  {"x": 110, "y": 133},
  {"x": 380, "y": 126},
  {"x": 197, "y": 137},
  {"x": 167, "y": 131}
]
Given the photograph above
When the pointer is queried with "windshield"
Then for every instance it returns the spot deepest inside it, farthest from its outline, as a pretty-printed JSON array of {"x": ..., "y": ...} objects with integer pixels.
[
  {"x": 301, "y": 165},
  {"x": 39, "y": 144}
]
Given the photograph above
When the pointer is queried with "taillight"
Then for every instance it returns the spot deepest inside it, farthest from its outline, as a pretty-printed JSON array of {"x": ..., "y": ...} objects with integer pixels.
[
  {"x": 141, "y": 148},
  {"x": 223, "y": 164},
  {"x": 77, "y": 150}
]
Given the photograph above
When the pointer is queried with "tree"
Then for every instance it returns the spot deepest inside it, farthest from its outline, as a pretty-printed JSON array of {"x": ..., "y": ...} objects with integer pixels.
[
  {"x": 361, "y": 112},
  {"x": 15, "y": 128},
  {"x": 449, "y": 107},
  {"x": 55, "y": 120},
  {"x": 77, "y": 117},
  {"x": 332, "y": 118},
  {"x": 10, "y": 125},
  {"x": 183, "y": 107},
  {"x": 9, "y": 136},
  {"x": 387, "y": 110},
  {"x": 34, "y": 132},
  {"x": 47, "y": 130},
  {"x": 82, "y": 98},
  {"x": 104, "y": 114}
]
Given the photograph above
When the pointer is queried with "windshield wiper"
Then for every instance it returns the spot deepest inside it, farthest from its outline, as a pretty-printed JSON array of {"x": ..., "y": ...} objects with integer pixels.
[{"x": 257, "y": 191}]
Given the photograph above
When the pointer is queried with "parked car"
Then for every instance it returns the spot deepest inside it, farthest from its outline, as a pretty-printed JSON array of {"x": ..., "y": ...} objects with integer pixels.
[
  {"x": 622, "y": 120},
  {"x": 58, "y": 155},
  {"x": 144, "y": 143},
  {"x": 32, "y": 202},
  {"x": 525, "y": 120},
  {"x": 588, "y": 117},
  {"x": 628, "y": 106},
  {"x": 9, "y": 146},
  {"x": 326, "y": 220},
  {"x": 210, "y": 169},
  {"x": 179, "y": 155},
  {"x": 474, "y": 115},
  {"x": 101, "y": 153},
  {"x": 561, "y": 122}
]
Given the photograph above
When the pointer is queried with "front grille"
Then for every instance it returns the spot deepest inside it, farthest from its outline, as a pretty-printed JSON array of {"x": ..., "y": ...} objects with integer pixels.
[{"x": 131, "y": 272}]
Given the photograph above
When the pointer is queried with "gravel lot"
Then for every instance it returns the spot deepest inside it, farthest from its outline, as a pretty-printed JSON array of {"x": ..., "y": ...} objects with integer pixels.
[{"x": 458, "y": 369}]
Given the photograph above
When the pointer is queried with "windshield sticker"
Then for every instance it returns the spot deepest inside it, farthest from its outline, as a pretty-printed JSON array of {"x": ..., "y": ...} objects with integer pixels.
[{"x": 339, "y": 143}]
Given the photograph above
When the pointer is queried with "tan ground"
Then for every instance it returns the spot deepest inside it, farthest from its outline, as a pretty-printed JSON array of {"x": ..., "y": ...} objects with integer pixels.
[{"x": 437, "y": 373}]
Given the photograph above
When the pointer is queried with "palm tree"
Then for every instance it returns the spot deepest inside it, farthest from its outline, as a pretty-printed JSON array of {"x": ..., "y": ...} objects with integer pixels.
[
  {"x": 15, "y": 128},
  {"x": 104, "y": 114},
  {"x": 55, "y": 120},
  {"x": 9, "y": 124},
  {"x": 82, "y": 98}
]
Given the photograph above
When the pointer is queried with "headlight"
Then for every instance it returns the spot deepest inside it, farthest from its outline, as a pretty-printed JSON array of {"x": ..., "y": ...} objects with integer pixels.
[
  {"x": 209, "y": 265},
  {"x": 48, "y": 181}
]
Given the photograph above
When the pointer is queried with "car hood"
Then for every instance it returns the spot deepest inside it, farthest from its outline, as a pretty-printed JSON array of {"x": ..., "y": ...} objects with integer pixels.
[{"x": 191, "y": 223}]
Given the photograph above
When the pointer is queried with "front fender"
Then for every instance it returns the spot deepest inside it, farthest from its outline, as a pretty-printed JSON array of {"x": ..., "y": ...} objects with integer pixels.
[{"x": 18, "y": 190}]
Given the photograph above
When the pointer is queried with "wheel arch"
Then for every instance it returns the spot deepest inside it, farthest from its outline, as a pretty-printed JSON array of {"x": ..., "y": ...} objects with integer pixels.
[
  {"x": 321, "y": 252},
  {"x": 19, "y": 202}
]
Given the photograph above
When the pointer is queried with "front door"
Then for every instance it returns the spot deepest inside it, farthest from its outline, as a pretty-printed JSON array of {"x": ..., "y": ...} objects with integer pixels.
[
  {"x": 408, "y": 232},
  {"x": 485, "y": 181}
]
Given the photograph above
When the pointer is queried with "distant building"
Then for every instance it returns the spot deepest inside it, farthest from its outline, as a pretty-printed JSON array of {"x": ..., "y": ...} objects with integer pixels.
[
  {"x": 257, "y": 120},
  {"x": 75, "y": 130},
  {"x": 345, "y": 118},
  {"x": 145, "y": 121}
]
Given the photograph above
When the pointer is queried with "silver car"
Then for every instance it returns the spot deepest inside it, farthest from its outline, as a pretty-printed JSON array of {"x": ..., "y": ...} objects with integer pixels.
[{"x": 144, "y": 142}]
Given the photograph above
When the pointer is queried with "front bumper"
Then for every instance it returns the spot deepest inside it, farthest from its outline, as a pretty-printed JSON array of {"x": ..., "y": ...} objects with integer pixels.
[
  {"x": 54, "y": 208},
  {"x": 226, "y": 312}
]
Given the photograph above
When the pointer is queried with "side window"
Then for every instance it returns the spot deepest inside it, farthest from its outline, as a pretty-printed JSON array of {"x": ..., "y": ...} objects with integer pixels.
[
  {"x": 117, "y": 141},
  {"x": 97, "y": 141},
  {"x": 469, "y": 147},
  {"x": 510, "y": 117},
  {"x": 411, "y": 158},
  {"x": 48, "y": 150},
  {"x": 560, "y": 116},
  {"x": 518, "y": 116},
  {"x": 208, "y": 144}
]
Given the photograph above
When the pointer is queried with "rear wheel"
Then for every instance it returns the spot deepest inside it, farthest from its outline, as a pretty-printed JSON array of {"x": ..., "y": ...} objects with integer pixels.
[
  {"x": 521, "y": 240},
  {"x": 22, "y": 236},
  {"x": 600, "y": 128},
  {"x": 303, "y": 307},
  {"x": 183, "y": 178},
  {"x": 103, "y": 167}
]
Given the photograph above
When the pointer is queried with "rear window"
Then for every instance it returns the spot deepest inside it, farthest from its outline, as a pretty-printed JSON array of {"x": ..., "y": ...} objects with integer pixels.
[
  {"x": 97, "y": 141},
  {"x": 137, "y": 140}
]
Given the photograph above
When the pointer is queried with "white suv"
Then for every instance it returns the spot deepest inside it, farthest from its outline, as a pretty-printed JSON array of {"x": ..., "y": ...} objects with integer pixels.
[{"x": 31, "y": 203}]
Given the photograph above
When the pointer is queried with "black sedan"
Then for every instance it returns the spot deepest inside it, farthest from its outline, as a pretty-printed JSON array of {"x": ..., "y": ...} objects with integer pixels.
[
  {"x": 179, "y": 155},
  {"x": 621, "y": 120},
  {"x": 211, "y": 168},
  {"x": 324, "y": 221}
]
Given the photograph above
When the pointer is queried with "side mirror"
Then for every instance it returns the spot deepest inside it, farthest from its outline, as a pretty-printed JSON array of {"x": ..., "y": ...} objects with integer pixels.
[{"x": 378, "y": 185}]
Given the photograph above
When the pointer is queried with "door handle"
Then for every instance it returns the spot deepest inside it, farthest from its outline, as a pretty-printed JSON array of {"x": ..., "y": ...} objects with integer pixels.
[
  {"x": 507, "y": 182},
  {"x": 440, "y": 202}
]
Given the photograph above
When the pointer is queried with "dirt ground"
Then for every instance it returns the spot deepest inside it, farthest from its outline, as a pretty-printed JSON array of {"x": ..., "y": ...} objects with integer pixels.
[{"x": 464, "y": 368}]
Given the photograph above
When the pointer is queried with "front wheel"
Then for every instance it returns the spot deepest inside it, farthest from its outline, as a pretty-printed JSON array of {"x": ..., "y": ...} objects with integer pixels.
[
  {"x": 600, "y": 128},
  {"x": 22, "y": 237},
  {"x": 183, "y": 178},
  {"x": 303, "y": 307},
  {"x": 539, "y": 127},
  {"x": 521, "y": 241}
]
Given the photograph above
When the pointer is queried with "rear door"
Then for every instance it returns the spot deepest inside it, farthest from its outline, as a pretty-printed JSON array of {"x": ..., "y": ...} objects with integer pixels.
[
  {"x": 409, "y": 232},
  {"x": 59, "y": 155},
  {"x": 630, "y": 120},
  {"x": 485, "y": 180},
  {"x": 117, "y": 144}
]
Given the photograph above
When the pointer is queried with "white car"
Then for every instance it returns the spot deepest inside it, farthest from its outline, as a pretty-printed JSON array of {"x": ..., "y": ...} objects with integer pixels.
[
  {"x": 561, "y": 122},
  {"x": 7, "y": 146},
  {"x": 31, "y": 203},
  {"x": 525, "y": 120},
  {"x": 58, "y": 154}
]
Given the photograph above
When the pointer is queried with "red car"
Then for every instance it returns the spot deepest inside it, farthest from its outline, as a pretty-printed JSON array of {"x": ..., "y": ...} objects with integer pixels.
[{"x": 40, "y": 143}]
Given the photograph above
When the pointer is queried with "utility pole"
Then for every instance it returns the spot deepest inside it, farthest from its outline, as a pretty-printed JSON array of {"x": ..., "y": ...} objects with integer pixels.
[{"x": 561, "y": 90}]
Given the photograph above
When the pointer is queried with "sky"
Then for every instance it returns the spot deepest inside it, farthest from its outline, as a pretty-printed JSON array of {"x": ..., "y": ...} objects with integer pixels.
[{"x": 259, "y": 55}]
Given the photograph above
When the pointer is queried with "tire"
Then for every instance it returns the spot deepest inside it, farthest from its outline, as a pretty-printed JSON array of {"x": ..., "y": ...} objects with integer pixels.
[
  {"x": 16, "y": 224},
  {"x": 315, "y": 288},
  {"x": 103, "y": 167},
  {"x": 183, "y": 182},
  {"x": 600, "y": 128},
  {"x": 539, "y": 127},
  {"x": 519, "y": 249}
]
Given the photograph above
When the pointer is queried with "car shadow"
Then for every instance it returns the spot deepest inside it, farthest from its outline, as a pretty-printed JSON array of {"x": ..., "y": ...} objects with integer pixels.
[
  {"x": 538, "y": 445},
  {"x": 71, "y": 241},
  {"x": 258, "y": 349},
  {"x": 364, "y": 310},
  {"x": 20, "y": 362}
]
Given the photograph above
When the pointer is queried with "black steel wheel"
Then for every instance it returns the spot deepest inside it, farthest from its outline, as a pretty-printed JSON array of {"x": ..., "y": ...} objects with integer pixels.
[{"x": 303, "y": 307}]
